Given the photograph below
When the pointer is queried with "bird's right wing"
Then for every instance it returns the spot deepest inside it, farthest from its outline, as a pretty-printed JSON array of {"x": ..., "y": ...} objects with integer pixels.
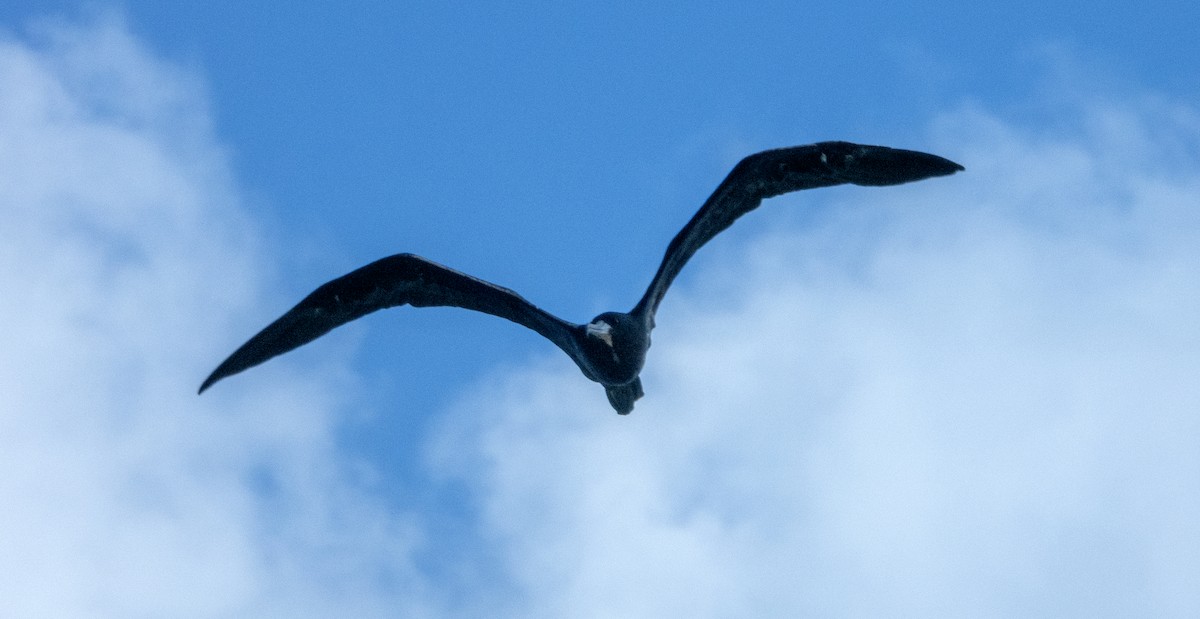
[
  {"x": 784, "y": 170},
  {"x": 403, "y": 279}
]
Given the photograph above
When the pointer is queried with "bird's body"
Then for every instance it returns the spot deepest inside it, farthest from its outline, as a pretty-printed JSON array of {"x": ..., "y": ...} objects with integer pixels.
[{"x": 611, "y": 349}]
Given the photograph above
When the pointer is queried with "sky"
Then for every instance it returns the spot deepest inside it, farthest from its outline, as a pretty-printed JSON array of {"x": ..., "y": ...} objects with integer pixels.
[{"x": 973, "y": 396}]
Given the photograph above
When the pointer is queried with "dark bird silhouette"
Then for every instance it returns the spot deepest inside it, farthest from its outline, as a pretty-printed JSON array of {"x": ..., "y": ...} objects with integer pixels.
[{"x": 611, "y": 349}]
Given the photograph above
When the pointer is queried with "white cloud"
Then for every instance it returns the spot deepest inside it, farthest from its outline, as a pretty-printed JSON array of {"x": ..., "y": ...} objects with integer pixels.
[
  {"x": 974, "y": 396},
  {"x": 123, "y": 258}
]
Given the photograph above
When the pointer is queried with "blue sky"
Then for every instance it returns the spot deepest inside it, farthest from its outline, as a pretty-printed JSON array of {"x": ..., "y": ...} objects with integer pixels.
[{"x": 974, "y": 396}]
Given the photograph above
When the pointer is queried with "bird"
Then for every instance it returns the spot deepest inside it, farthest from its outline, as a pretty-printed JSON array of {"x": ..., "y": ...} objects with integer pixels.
[{"x": 611, "y": 348}]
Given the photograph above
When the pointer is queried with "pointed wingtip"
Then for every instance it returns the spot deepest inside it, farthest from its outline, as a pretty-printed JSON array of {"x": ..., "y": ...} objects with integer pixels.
[
  {"x": 941, "y": 166},
  {"x": 923, "y": 165},
  {"x": 948, "y": 168},
  {"x": 208, "y": 382},
  {"x": 881, "y": 165},
  {"x": 266, "y": 344},
  {"x": 228, "y": 368}
]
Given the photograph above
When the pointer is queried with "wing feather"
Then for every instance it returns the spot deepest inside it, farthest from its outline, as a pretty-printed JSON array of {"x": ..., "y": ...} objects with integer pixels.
[
  {"x": 402, "y": 279},
  {"x": 779, "y": 171}
]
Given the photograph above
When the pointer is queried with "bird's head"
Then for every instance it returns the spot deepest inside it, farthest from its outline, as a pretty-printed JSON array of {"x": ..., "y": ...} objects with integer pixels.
[
  {"x": 600, "y": 329},
  {"x": 616, "y": 345}
]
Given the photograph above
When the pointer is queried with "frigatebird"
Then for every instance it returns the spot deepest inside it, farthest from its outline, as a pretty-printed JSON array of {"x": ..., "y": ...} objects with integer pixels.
[{"x": 611, "y": 349}]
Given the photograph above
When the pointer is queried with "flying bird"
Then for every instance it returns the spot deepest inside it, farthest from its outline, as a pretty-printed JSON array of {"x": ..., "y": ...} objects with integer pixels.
[{"x": 611, "y": 349}]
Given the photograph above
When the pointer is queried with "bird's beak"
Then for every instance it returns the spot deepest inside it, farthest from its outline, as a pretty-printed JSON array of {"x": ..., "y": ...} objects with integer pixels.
[{"x": 601, "y": 330}]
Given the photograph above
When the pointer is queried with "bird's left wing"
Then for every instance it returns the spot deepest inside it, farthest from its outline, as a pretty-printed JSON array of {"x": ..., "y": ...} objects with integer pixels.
[
  {"x": 403, "y": 279},
  {"x": 784, "y": 170}
]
